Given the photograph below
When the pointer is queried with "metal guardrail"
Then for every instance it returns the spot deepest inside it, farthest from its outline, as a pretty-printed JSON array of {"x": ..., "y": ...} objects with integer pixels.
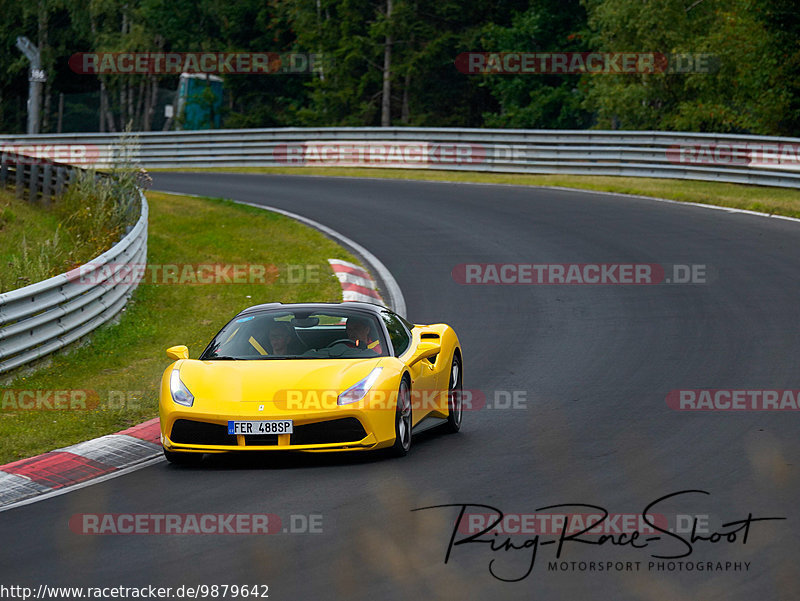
[
  {"x": 712, "y": 157},
  {"x": 38, "y": 319},
  {"x": 41, "y": 318}
]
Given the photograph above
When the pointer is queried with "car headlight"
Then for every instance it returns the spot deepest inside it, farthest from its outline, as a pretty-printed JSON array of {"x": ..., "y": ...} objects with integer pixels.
[
  {"x": 180, "y": 394},
  {"x": 360, "y": 389}
]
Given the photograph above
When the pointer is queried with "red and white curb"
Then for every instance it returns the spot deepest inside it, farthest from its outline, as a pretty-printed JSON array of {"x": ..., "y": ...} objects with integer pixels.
[
  {"x": 357, "y": 284},
  {"x": 62, "y": 468}
]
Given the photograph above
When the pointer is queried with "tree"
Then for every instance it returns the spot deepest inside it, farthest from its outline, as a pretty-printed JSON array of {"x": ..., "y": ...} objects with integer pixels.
[
  {"x": 745, "y": 93},
  {"x": 538, "y": 100}
]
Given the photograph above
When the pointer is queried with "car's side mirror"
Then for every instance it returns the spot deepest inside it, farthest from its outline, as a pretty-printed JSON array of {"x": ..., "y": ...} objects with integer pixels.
[
  {"x": 178, "y": 352},
  {"x": 425, "y": 350}
]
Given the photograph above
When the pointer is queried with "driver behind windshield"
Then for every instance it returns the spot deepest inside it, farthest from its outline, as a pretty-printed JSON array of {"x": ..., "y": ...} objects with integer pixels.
[{"x": 358, "y": 331}]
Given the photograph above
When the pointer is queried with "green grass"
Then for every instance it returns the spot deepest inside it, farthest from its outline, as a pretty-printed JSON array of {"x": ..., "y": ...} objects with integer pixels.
[
  {"x": 778, "y": 201},
  {"x": 33, "y": 245},
  {"x": 125, "y": 361},
  {"x": 41, "y": 239}
]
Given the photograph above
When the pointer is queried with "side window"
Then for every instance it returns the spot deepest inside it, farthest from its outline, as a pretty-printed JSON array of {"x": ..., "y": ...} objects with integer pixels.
[{"x": 397, "y": 332}]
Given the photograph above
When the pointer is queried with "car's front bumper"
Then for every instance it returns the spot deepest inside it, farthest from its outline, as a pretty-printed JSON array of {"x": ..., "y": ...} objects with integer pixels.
[
  {"x": 273, "y": 442},
  {"x": 345, "y": 428}
]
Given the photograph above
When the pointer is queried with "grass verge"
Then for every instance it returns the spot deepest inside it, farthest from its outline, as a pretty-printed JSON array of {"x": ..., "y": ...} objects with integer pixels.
[
  {"x": 123, "y": 363},
  {"x": 33, "y": 245},
  {"x": 775, "y": 201},
  {"x": 42, "y": 239}
]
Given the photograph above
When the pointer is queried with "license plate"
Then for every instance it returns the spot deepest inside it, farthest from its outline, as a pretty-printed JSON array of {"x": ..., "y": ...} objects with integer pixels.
[{"x": 267, "y": 426}]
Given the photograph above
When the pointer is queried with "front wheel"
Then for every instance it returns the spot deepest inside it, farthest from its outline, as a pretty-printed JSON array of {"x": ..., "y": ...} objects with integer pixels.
[
  {"x": 183, "y": 458},
  {"x": 455, "y": 400},
  {"x": 402, "y": 421}
]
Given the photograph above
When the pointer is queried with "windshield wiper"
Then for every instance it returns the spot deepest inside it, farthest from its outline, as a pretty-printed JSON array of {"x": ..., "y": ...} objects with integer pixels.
[{"x": 221, "y": 358}]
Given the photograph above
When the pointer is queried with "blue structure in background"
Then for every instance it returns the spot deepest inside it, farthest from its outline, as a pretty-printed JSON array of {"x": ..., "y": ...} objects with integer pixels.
[{"x": 199, "y": 101}]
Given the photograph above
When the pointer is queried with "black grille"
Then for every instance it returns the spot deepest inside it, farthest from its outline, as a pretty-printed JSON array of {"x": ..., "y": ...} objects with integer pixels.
[
  {"x": 347, "y": 429},
  {"x": 252, "y": 440},
  {"x": 186, "y": 431}
]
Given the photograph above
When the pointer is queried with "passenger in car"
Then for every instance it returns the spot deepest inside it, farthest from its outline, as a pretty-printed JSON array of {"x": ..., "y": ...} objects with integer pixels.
[{"x": 283, "y": 339}]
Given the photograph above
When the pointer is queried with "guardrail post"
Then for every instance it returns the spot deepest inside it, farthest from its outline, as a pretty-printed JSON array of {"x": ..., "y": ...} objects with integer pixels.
[
  {"x": 4, "y": 171},
  {"x": 47, "y": 182},
  {"x": 33, "y": 183},
  {"x": 19, "y": 179},
  {"x": 61, "y": 175}
]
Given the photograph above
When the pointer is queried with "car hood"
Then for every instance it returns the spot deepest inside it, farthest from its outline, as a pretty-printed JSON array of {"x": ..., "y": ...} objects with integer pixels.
[{"x": 271, "y": 380}]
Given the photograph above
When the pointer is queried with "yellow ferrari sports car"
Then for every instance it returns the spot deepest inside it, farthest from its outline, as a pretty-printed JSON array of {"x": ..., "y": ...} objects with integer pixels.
[{"x": 311, "y": 377}]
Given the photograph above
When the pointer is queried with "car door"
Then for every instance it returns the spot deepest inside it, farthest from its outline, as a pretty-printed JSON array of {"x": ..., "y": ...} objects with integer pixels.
[{"x": 425, "y": 386}]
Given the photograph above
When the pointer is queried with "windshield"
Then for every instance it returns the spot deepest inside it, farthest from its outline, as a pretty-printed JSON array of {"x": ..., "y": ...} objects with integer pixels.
[{"x": 299, "y": 334}]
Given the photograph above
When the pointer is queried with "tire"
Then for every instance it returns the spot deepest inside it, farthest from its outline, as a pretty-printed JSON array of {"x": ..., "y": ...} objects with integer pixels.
[
  {"x": 455, "y": 398},
  {"x": 402, "y": 421},
  {"x": 183, "y": 458}
]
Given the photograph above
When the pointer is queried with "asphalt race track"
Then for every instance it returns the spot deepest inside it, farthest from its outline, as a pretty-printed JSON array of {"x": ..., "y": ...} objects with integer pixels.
[{"x": 593, "y": 364}]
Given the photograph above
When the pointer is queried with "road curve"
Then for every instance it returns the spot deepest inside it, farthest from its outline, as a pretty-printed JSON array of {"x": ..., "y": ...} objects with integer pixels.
[{"x": 594, "y": 365}]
